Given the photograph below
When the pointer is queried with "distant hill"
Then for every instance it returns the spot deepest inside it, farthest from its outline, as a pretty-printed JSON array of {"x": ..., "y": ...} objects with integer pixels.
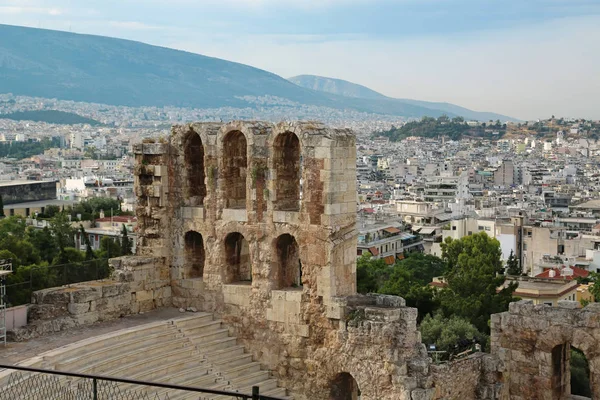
[
  {"x": 454, "y": 128},
  {"x": 336, "y": 86},
  {"x": 51, "y": 117},
  {"x": 97, "y": 69},
  {"x": 348, "y": 89}
]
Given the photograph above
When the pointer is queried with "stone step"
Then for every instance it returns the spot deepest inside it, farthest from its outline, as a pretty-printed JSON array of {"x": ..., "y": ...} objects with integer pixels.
[
  {"x": 232, "y": 373},
  {"x": 201, "y": 382},
  {"x": 224, "y": 353},
  {"x": 164, "y": 359},
  {"x": 279, "y": 392},
  {"x": 259, "y": 376},
  {"x": 217, "y": 344},
  {"x": 127, "y": 357},
  {"x": 202, "y": 328},
  {"x": 162, "y": 373},
  {"x": 231, "y": 362},
  {"x": 143, "y": 346},
  {"x": 194, "y": 320},
  {"x": 89, "y": 345},
  {"x": 198, "y": 340}
]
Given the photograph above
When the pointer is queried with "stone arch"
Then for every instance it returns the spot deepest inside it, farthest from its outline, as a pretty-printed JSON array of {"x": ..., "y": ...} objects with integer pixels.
[
  {"x": 287, "y": 267},
  {"x": 235, "y": 165},
  {"x": 194, "y": 255},
  {"x": 344, "y": 387},
  {"x": 237, "y": 258},
  {"x": 288, "y": 171},
  {"x": 194, "y": 165}
]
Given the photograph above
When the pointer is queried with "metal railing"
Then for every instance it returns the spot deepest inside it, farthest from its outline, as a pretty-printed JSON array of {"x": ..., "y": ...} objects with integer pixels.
[
  {"x": 20, "y": 287},
  {"x": 29, "y": 383}
]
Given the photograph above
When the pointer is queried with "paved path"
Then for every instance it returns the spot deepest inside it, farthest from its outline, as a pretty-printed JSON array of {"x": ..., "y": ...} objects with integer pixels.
[{"x": 15, "y": 352}]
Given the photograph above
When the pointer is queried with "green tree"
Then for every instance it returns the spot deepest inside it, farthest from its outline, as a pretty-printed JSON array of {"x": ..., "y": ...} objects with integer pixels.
[
  {"x": 475, "y": 272},
  {"x": 63, "y": 233},
  {"x": 580, "y": 374},
  {"x": 89, "y": 253},
  {"x": 109, "y": 247},
  {"x": 125, "y": 242},
  {"x": 43, "y": 241},
  {"x": 1, "y": 207},
  {"x": 513, "y": 266},
  {"x": 445, "y": 333},
  {"x": 594, "y": 278}
]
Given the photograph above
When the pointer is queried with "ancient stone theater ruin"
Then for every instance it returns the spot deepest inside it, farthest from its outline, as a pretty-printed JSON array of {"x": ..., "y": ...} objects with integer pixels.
[{"x": 254, "y": 223}]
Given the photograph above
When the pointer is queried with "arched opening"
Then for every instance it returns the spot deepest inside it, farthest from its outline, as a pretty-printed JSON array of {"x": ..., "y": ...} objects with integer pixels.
[
  {"x": 287, "y": 165},
  {"x": 234, "y": 169},
  {"x": 570, "y": 372},
  {"x": 237, "y": 256},
  {"x": 194, "y": 255},
  {"x": 344, "y": 387},
  {"x": 194, "y": 165},
  {"x": 580, "y": 374},
  {"x": 289, "y": 267}
]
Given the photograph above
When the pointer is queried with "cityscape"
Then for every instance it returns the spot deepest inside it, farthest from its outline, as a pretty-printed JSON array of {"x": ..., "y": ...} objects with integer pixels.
[{"x": 179, "y": 222}]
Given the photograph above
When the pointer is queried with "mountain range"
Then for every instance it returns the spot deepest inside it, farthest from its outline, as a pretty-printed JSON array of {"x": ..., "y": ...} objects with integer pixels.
[{"x": 54, "y": 64}]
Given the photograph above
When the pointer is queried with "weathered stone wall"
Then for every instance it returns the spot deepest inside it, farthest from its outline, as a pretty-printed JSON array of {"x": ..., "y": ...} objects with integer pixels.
[
  {"x": 220, "y": 185},
  {"x": 30, "y": 191},
  {"x": 470, "y": 378},
  {"x": 138, "y": 284},
  {"x": 533, "y": 342}
]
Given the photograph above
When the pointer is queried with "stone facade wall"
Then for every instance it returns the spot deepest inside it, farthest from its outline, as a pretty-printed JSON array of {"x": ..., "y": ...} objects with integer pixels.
[
  {"x": 27, "y": 192},
  {"x": 138, "y": 284},
  {"x": 533, "y": 342},
  {"x": 211, "y": 200}
]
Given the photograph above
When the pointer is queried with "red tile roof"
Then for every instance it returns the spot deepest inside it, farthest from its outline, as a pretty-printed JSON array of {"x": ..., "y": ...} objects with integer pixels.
[
  {"x": 577, "y": 272},
  {"x": 373, "y": 251}
]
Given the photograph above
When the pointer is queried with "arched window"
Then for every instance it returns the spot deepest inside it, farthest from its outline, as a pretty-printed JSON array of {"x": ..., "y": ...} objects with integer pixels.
[
  {"x": 237, "y": 256},
  {"x": 194, "y": 255},
  {"x": 344, "y": 387},
  {"x": 194, "y": 165},
  {"x": 287, "y": 166},
  {"x": 235, "y": 164},
  {"x": 288, "y": 270},
  {"x": 570, "y": 372},
  {"x": 580, "y": 374}
]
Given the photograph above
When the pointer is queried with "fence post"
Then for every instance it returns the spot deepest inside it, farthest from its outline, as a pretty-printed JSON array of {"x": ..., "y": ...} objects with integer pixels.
[
  {"x": 95, "y": 389},
  {"x": 255, "y": 393}
]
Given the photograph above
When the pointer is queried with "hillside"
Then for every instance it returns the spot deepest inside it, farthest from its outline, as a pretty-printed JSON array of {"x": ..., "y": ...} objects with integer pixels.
[
  {"x": 344, "y": 88},
  {"x": 455, "y": 129},
  {"x": 336, "y": 86},
  {"x": 51, "y": 117},
  {"x": 53, "y": 64}
]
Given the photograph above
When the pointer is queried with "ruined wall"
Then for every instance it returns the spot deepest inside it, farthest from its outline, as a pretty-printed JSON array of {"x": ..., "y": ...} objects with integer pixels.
[
  {"x": 138, "y": 284},
  {"x": 267, "y": 213},
  {"x": 533, "y": 342}
]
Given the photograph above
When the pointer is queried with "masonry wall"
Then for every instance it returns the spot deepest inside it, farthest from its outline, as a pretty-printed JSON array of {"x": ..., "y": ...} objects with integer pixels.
[
  {"x": 526, "y": 340},
  {"x": 215, "y": 183},
  {"x": 138, "y": 284}
]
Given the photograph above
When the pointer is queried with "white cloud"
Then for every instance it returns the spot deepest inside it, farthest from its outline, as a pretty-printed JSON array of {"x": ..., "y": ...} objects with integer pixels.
[
  {"x": 30, "y": 10},
  {"x": 527, "y": 73}
]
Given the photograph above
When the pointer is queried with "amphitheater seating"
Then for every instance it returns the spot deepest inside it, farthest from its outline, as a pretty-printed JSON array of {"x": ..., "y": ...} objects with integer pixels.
[{"x": 189, "y": 351}]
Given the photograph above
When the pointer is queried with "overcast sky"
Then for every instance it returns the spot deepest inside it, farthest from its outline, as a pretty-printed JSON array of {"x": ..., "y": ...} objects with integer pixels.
[{"x": 524, "y": 58}]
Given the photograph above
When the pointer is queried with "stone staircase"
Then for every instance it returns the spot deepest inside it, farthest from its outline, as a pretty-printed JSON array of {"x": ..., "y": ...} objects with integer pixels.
[{"x": 190, "y": 351}]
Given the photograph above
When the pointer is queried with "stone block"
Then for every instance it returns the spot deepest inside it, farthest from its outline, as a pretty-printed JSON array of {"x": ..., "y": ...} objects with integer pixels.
[
  {"x": 86, "y": 294},
  {"x": 571, "y": 305},
  {"x": 144, "y": 295},
  {"x": 78, "y": 308},
  {"x": 234, "y": 214},
  {"x": 422, "y": 394}
]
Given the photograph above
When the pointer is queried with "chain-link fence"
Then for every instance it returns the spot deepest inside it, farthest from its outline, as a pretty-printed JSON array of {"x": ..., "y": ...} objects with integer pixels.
[
  {"x": 27, "y": 279},
  {"x": 24, "y": 383}
]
